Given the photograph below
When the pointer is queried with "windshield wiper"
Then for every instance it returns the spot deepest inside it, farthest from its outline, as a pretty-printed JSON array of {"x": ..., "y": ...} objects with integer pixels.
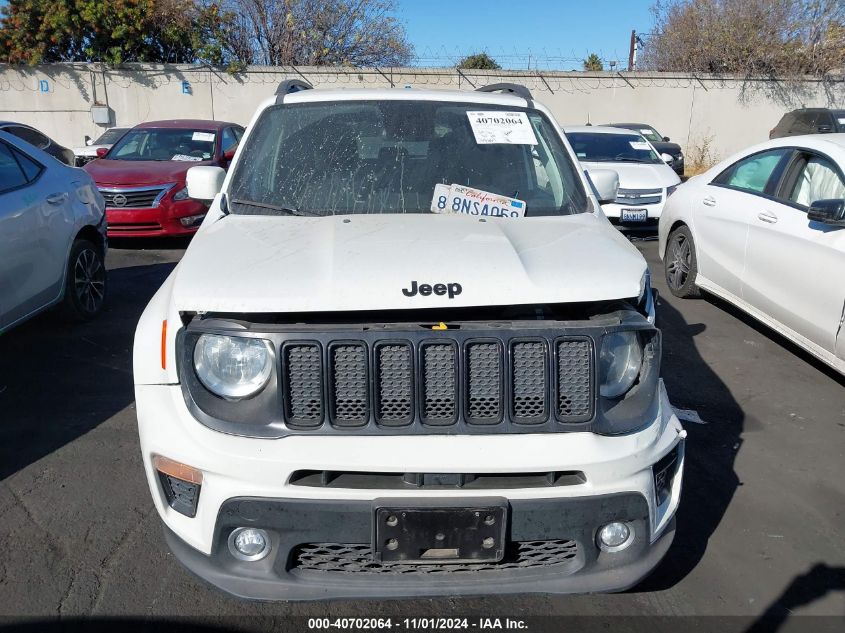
[{"x": 272, "y": 207}]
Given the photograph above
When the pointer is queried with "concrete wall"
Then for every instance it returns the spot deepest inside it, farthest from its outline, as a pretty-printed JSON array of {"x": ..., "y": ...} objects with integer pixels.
[{"x": 732, "y": 114}]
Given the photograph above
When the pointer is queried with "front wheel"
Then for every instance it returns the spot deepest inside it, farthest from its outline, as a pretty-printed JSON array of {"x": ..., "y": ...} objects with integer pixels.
[
  {"x": 680, "y": 264},
  {"x": 85, "y": 285}
]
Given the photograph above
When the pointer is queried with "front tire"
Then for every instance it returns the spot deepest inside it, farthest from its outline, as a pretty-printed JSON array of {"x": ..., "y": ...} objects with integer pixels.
[
  {"x": 680, "y": 264},
  {"x": 85, "y": 282}
]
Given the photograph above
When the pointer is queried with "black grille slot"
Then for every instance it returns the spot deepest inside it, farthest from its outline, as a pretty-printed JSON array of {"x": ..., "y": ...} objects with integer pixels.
[
  {"x": 394, "y": 384},
  {"x": 303, "y": 384},
  {"x": 529, "y": 381},
  {"x": 574, "y": 380},
  {"x": 484, "y": 383},
  {"x": 348, "y": 381},
  {"x": 131, "y": 199},
  {"x": 353, "y": 558},
  {"x": 664, "y": 474},
  {"x": 359, "y": 480},
  {"x": 439, "y": 383},
  {"x": 182, "y": 496}
]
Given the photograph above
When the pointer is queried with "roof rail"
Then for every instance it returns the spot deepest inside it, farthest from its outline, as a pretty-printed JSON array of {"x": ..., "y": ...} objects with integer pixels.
[
  {"x": 291, "y": 85},
  {"x": 515, "y": 89}
]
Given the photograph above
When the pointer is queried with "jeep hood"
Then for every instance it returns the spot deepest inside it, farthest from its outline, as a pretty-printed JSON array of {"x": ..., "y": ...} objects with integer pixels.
[{"x": 363, "y": 262}]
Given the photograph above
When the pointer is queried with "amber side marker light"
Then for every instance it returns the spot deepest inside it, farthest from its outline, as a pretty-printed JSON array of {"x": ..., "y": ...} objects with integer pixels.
[
  {"x": 181, "y": 484},
  {"x": 164, "y": 344}
]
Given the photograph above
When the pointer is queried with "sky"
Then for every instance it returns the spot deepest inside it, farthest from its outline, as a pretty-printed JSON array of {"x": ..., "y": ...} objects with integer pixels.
[{"x": 552, "y": 34}]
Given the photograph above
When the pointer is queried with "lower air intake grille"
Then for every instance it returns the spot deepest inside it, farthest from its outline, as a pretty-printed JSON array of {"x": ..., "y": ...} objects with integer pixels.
[
  {"x": 304, "y": 384},
  {"x": 346, "y": 558},
  {"x": 439, "y": 382},
  {"x": 484, "y": 391},
  {"x": 394, "y": 388},
  {"x": 349, "y": 384},
  {"x": 574, "y": 376}
]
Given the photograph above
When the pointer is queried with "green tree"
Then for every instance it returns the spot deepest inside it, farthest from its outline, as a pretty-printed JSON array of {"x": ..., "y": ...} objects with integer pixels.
[
  {"x": 117, "y": 31},
  {"x": 479, "y": 61},
  {"x": 593, "y": 62}
]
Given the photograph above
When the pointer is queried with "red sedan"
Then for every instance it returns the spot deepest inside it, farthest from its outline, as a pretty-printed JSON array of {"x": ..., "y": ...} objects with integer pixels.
[{"x": 142, "y": 176}]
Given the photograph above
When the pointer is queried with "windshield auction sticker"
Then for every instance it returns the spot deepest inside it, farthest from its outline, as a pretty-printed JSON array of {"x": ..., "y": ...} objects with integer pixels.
[
  {"x": 207, "y": 137},
  {"x": 501, "y": 127},
  {"x": 468, "y": 201},
  {"x": 640, "y": 145}
]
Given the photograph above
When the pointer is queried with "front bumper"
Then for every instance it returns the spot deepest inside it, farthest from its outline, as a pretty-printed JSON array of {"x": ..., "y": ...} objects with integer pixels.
[
  {"x": 247, "y": 482},
  {"x": 161, "y": 221},
  {"x": 320, "y": 551}
]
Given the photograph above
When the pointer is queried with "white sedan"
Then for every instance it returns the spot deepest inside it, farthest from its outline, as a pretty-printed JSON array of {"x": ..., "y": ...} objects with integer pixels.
[
  {"x": 52, "y": 236},
  {"x": 765, "y": 230},
  {"x": 645, "y": 180}
]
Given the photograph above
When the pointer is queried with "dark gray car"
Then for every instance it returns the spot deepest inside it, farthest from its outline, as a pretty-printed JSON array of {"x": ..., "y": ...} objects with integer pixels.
[
  {"x": 39, "y": 140},
  {"x": 809, "y": 121}
]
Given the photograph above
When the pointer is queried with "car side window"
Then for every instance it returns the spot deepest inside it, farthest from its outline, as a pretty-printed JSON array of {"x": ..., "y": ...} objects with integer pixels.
[
  {"x": 817, "y": 180},
  {"x": 12, "y": 175},
  {"x": 229, "y": 139},
  {"x": 752, "y": 174},
  {"x": 239, "y": 133},
  {"x": 33, "y": 137}
]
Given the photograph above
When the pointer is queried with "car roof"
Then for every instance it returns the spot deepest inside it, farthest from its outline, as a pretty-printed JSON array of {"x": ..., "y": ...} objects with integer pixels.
[
  {"x": 626, "y": 125},
  {"x": 810, "y": 141},
  {"x": 598, "y": 129},
  {"x": 197, "y": 124},
  {"x": 5, "y": 123},
  {"x": 408, "y": 94}
]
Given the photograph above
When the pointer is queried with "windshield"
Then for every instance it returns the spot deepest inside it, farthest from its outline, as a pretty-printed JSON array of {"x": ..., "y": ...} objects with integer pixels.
[
  {"x": 110, "y": 137},
  {"x": 348, "y": 157},
  {"x": 612, "y": 148},
  {"x": 164, "y": 144}
]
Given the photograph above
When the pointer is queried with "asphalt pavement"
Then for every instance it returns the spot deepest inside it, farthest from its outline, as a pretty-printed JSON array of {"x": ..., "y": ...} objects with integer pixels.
[{"x": 760, "y": 528}]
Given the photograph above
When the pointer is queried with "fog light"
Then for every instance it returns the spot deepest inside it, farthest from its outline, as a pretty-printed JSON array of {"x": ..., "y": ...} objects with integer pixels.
[
  {"x": 192, "y": 220},
  {"x": 249, "y": 544},
  {"x": 615, "y": 536}
]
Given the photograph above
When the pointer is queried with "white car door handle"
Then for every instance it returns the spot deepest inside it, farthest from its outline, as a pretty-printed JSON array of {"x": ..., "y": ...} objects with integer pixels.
[
  {"x": 767, "y": 216},
  {"x": 56, "y": 198},
  {"x": 709, "y": 201}
]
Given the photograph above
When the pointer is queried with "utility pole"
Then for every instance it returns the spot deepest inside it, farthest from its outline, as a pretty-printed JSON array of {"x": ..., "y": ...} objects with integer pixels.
[{"x": 632, "y": 52}]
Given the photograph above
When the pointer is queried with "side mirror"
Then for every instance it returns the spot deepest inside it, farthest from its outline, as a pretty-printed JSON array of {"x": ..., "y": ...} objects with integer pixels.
[
  {"x": 666, "y": 139},
  {"x": 605, "y": 184},
  {"x": 828, "y": 212},
  {"x": 205, "y": 182},
  {"x": 102, "y": 151},
  {"x": 88, "y": 140},
  {"x": 667, "y": 158}
]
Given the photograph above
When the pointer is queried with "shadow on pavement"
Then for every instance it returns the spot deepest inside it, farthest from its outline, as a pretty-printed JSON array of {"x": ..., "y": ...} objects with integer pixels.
[
  {"x": 59, "y": 380},
  {"x": 709, "y": 477}
]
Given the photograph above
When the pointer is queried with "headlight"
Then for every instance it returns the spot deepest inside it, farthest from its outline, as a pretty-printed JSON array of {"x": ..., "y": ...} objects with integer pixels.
[
  {"x": 233, "y": 366},
  {"x": 182, "y": 194},
  {"x": 621, "y": 360}
]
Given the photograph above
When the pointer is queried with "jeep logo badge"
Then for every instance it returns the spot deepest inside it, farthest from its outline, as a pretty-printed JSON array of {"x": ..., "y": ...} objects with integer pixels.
[{"x": 452, "y": 289}]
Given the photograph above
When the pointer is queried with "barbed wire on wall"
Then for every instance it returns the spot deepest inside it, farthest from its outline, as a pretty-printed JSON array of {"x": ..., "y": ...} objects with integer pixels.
[{"x": 520, "y": 59}]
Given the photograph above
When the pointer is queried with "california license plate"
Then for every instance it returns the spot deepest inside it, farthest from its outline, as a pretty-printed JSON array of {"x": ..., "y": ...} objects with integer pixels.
[{"x": 634, "y": 215}]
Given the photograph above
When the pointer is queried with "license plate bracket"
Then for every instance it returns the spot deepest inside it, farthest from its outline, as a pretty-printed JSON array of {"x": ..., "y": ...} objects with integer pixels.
[
  {"x": 634, "y": 215},
  {"x": 439, "y": 531}
]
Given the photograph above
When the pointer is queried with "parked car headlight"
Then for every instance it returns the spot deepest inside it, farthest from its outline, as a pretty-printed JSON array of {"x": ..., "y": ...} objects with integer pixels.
[
  {"x": 620, "y": 360},
  {"x": 182, "y": 194},
  {"x": 232, "y": 366}
]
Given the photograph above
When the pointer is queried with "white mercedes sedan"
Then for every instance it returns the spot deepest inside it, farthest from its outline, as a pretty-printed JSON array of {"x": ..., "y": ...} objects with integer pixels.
[{"x": 765, "y": 230}]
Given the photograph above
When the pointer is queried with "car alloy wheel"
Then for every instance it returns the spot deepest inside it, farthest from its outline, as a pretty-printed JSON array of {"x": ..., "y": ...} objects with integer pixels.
[
  {"x": 679, "y": 261},
  {"x": 89, "y": 280}
]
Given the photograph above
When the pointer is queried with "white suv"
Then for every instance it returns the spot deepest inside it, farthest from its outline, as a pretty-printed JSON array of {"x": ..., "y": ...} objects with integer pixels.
[{"x": 406, "y": 354}]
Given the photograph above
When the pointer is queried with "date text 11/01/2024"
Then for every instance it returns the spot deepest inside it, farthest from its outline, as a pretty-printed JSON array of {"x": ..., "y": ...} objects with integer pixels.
[{"x": 416, "y": 624}]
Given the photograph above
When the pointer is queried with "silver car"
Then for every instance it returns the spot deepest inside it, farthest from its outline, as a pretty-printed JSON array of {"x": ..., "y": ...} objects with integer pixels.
[{"x": 52, "y": 236}]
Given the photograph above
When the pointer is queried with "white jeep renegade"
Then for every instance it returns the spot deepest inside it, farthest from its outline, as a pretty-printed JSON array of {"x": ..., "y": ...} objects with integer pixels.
[{"x": 406, "y": 354}]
